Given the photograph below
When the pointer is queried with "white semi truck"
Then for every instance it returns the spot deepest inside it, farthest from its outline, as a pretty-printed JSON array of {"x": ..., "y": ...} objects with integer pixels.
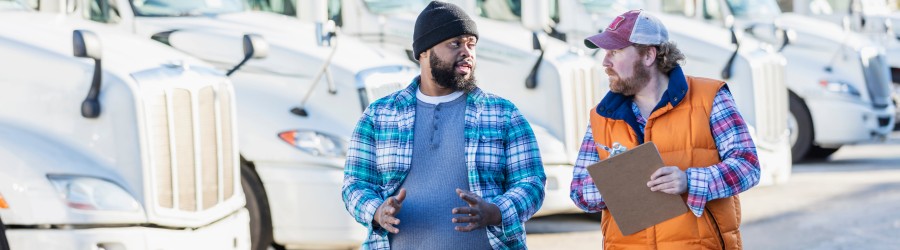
[
  {"x": 755, "y": 74},
  {"x": 113, "y": 142},
  {"x": 296, "y": 108},
  {"x": 840, "y": 91},
  {"x": 876, "y": 19},
  {"x": 553, "y": 84}
]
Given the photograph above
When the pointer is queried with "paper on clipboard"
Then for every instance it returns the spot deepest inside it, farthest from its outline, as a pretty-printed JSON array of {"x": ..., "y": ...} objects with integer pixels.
[{"x": 622, "y": 181}]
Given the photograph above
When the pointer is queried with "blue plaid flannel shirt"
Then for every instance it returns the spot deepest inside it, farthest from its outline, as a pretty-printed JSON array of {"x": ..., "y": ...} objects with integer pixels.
[{"x": 502, "y": 157}]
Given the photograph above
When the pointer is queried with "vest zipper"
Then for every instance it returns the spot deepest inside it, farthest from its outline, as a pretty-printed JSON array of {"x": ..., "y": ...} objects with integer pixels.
[{"x": 718, "y": 231}]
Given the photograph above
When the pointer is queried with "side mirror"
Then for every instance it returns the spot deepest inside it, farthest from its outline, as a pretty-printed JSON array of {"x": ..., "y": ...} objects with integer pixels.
[
  {"x": 325, "y": 32},
  {"x": 254, "y": 47},
  {"x": 786, "y": 36},
  {"x": 536, "y": 14},
  {"x": 86, "y": 44}
]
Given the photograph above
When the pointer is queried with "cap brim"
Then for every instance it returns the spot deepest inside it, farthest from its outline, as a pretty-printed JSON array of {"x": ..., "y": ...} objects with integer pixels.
[{"x": 605, "y": 41}]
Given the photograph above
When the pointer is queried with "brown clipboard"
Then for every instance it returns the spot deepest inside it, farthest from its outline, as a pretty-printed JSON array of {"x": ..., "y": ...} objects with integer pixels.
[{"x": 622, "y": 182}]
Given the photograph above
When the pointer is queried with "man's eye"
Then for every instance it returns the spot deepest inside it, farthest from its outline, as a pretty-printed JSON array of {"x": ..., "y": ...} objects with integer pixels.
[{"x": 454, "y": 44}]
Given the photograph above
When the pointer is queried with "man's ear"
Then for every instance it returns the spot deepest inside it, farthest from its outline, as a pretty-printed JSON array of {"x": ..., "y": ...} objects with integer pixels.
[
  {"x": 650, "y": 57},
  {"x": 423, "y": 58}
]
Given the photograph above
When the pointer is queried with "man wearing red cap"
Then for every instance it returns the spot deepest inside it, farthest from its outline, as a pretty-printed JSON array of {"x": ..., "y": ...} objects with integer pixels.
[{"x": 702, "y": 138}]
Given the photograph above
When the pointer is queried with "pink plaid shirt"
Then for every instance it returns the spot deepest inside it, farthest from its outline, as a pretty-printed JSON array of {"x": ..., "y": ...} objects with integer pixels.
[{"x": 737, "y": 172}]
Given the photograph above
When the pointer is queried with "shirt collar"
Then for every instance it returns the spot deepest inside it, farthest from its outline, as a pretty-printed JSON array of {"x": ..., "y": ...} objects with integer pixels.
[{"x": 407, "y": 96}]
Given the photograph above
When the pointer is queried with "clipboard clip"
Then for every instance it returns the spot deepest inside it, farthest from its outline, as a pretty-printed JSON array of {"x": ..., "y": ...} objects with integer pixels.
[{"x": 617, "y": 148}]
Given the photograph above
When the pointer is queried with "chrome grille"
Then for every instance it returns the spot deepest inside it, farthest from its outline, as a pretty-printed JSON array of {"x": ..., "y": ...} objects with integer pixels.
[
  {"x": 585, "y": 93},
  {"x": 185, "y": 189},
  {"x": 771, "y": 100},
  {"x": 375, "y": 83},
  {"x": 374, "y": 92},
  {"x": 878, "y": 81},
  {"x": 191, "y": 138},
  {"x": 161, "y": 147}
]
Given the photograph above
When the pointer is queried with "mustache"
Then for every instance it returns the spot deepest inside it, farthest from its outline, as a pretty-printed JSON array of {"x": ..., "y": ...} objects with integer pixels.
[
  {"x": 464, "y": 61},
  {"x": 611, "y": 72}
]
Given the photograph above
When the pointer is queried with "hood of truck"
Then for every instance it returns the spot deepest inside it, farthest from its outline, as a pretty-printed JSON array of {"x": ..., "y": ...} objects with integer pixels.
[
  {"x": 821, "y": 31},
  {"x": 29, "y": 157},
  {"x": 119, "y": 49},
  {"x": 293, "y": 48}
]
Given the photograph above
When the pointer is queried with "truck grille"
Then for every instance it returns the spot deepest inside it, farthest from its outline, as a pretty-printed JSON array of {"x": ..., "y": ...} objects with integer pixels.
[
  {"x": 586, "y": 93},
  {"x": 771, "y": 99},
  {"x": 375, "y": 83},
  {"x": 373, "y": 92},
  {"x": 192, "y": 147},
  {"x": 878, "y": 80}
]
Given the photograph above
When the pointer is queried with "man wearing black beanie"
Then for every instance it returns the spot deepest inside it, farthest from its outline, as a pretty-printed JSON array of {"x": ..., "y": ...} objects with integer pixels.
[{"x": 458, "y": 166}]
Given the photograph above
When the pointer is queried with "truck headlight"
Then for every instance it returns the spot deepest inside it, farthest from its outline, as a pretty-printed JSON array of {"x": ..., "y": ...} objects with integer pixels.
[
  {"x": 89, "y": 193},
  {"x": 315, "y": 143},
  {"x": 839, "y": 87}
]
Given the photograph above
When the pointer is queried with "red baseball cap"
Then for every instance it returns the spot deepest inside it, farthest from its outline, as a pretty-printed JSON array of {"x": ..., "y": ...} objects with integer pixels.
[{"x": 632, "y": 27}]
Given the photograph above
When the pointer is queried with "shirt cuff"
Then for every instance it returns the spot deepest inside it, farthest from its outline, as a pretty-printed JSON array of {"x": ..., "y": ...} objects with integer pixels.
[
  {"x": 368, "y": 212},
  {"x": 509, "y": 218},
  {"x": 698, "y": 189}
]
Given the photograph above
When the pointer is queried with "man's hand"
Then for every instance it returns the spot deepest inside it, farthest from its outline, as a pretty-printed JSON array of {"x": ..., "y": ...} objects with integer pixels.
[
  {"x": 481, "y": 213},
  {"x": 386, "y": 214},
  {"x": 670, "y": 180}
]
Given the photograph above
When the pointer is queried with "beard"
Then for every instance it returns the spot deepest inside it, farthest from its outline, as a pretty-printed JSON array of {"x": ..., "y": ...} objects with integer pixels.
[
  {"x": 629, "y": 86},
  {"x": 444, "y": 74}
]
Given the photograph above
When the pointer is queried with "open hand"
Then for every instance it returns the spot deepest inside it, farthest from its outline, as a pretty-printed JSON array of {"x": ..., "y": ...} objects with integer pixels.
[
  {"x": 386, "y": 214},
  {"x": 480, "y": 212}
]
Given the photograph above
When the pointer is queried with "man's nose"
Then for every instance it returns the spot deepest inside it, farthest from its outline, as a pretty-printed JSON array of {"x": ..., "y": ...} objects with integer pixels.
[
  {"x": 466, "y": 52},
  {"x": 606, "y": 61}
]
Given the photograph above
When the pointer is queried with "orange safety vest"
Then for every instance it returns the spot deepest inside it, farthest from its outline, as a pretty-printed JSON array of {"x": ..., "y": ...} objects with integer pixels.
[{"x": 685, "y": 140}]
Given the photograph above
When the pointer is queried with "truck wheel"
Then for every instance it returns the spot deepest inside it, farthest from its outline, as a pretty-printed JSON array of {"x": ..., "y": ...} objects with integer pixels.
[
  {"x": 258, "y": 207},
  {"x": 4, "y": 244},
  {"x": 820, "y": 153},
  {"x": 801, "y": 127}
]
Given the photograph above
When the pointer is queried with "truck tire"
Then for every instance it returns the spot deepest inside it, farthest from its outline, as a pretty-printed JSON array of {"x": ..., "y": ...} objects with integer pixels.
[
  {"x": 820, "y": 153},
  {"x": 801, "y": 128},
  {"x": 258, "y": 206},
  {"x": 4, "y": 244}
]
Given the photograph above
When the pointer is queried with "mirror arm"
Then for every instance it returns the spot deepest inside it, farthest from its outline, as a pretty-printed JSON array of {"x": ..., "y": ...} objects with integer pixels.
[
  {"x": 531, "y": 81},
  {"x": 90, "y": 108}
]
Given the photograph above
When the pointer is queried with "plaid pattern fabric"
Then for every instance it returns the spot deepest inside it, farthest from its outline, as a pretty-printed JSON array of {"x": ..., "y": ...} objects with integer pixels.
[
  {"x": 502, "y": 157},
  {"x": 738, "y": 171}
]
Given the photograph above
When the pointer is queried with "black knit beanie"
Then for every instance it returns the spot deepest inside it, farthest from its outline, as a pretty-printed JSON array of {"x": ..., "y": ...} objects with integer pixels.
[{"x": 438, "y": 22}]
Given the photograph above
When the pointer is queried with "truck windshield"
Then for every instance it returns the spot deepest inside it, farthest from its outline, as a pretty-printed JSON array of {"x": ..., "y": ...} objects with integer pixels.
[
  {"x": 752, "y": 9},
  {"x": 6, "y": 5},
  {"x": 385, "y": 7},
  {"x": 185, "y": 7},
  {"x": 614, "y": 7}
]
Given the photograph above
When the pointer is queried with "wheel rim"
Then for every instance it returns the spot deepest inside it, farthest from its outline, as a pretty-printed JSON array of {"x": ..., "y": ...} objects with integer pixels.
[{"x": 793, "y": 128}]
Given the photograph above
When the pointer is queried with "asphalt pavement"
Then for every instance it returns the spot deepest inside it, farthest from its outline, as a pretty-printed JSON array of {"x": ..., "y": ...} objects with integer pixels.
[{"x": 849, "y": 201}]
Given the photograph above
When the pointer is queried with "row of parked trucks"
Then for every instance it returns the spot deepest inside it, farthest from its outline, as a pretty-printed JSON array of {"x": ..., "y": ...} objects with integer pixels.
[{"x": 223, "y": 124}]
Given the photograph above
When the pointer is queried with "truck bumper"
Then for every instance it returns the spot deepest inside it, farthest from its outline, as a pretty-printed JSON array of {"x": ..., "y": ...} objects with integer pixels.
[
  {"x": 556, "y": 191},
  {"x": 839, "y": 122},
  {"x": 774, "y": 161},
  {"x": 232, "y": 232},
  {"x": 306, "y": 206}
]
